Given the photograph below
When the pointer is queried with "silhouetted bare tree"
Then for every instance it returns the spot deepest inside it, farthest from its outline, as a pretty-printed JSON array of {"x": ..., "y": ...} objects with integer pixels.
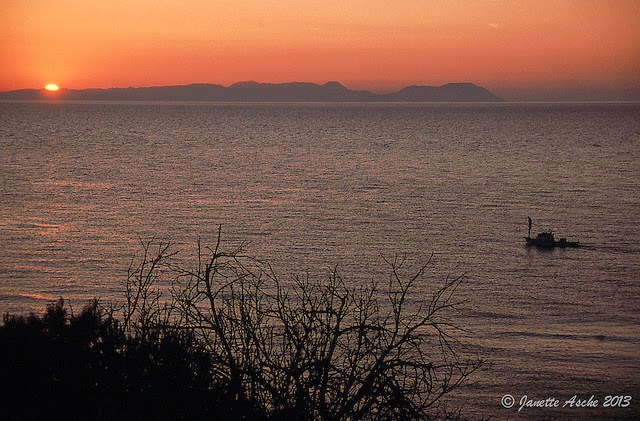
[{"x": 309, "y": 349}]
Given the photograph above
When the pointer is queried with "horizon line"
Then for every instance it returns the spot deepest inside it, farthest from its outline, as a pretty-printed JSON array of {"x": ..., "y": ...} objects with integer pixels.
[{"x": 503, "y": 97}]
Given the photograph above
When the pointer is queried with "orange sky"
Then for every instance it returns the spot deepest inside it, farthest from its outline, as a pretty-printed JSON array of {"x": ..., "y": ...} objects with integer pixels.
[{"x": 520, "y": 49}]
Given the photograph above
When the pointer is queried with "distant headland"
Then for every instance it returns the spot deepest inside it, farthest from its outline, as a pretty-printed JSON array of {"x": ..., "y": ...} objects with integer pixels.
[{"x": 264, "y": 92}]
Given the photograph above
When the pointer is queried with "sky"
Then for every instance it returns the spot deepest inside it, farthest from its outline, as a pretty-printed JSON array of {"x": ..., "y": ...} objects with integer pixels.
[{"x": 519, "y": 49}]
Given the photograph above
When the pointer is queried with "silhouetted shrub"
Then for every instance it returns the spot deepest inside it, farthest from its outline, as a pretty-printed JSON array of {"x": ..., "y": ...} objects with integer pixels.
[{"x": 84, "y": 367}]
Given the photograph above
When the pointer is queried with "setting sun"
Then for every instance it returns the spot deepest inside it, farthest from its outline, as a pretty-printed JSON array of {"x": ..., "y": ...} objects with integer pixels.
[{"x": 52, "y": 87}]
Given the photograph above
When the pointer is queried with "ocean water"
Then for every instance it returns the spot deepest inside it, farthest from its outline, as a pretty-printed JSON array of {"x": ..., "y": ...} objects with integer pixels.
[{"x": 311, "y": 186}]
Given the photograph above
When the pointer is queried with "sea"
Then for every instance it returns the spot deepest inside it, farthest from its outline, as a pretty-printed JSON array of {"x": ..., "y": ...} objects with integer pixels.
[{"x": 314, "y": 187}]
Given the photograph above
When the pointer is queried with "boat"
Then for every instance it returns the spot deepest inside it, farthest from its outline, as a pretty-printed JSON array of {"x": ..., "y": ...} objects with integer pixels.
[{"x": 547, "y": 240}]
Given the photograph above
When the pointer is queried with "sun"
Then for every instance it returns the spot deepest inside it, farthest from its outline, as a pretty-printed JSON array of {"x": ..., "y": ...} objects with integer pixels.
[{"x": 52, "y": 87}]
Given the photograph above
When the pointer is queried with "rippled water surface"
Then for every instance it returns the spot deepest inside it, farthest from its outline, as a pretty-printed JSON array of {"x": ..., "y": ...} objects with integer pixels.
[{"x": 311, "y": 186}]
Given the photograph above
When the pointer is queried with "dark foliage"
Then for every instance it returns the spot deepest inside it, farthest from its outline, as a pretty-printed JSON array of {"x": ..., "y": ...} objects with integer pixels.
[{"x": 62, "y": 366}]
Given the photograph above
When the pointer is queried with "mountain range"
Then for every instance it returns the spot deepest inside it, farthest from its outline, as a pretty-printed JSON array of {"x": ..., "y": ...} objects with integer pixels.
[{"x": 265, "y": 92}]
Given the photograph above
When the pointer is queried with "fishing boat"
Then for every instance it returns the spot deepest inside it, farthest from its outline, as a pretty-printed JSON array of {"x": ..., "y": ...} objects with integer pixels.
[{"x": 547, "y": 240}]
